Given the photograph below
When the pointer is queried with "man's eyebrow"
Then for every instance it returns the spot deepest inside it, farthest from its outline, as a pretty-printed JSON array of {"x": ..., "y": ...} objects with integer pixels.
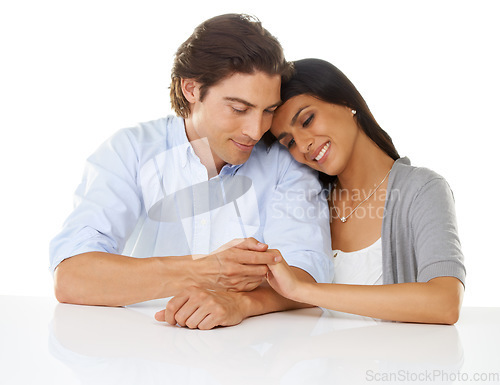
[
  {"x": 294, "y": 119},
  {"x": 277, "y": 104},
  {"x": 242, "y": 101}
]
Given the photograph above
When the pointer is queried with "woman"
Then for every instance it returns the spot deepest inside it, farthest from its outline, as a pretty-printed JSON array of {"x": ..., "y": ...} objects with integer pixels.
[{"x": 395, "y": 245}]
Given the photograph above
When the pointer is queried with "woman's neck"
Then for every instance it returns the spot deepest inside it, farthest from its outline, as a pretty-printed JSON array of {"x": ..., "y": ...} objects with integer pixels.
[{"x": 366, "y": 168}]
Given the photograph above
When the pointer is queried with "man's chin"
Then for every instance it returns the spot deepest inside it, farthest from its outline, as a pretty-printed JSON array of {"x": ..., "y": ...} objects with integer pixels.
[{"x": 238, "y": 159}]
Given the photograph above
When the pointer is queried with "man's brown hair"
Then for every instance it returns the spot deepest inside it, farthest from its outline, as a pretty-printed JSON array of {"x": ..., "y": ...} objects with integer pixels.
[{"x": 220, "y": 47}]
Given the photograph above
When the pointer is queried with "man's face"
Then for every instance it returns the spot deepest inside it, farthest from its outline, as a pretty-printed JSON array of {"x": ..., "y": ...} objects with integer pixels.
[{"x": 234, "y": 114}]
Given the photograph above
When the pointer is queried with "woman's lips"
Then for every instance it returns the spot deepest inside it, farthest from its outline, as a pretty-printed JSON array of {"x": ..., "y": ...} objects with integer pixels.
[{"x": 321, "y": 152}]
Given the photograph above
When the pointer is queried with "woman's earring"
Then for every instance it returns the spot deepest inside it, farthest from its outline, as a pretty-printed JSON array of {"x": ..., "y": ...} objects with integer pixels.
[{"x": 353, "y": 111}]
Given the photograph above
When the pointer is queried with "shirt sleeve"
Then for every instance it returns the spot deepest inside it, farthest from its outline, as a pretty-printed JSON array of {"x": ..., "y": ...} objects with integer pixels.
[
  {"x": 107, "y": 203},
  {"x": 298, "y": 222},
  {"x": 435, "y": 233}
]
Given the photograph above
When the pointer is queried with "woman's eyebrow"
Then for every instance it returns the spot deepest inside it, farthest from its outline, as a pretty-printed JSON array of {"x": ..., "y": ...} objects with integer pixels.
[
  {"x": 282, "y": 135},
  {"x": 294, "y": 119},
  {"x": 292, "y": 123}
]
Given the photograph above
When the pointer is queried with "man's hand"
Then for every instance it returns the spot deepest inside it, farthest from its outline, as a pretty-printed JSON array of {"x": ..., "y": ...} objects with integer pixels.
[
  {"x": 203, "y": 309},
  {"x": 239, "y": 265}
]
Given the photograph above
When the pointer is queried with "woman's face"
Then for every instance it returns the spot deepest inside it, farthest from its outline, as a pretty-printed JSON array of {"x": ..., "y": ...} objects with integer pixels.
[{"x": 319, "y": 134}]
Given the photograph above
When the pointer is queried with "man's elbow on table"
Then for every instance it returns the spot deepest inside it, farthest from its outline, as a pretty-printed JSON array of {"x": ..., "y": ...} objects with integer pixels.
[{"x": 65, "y": 284}]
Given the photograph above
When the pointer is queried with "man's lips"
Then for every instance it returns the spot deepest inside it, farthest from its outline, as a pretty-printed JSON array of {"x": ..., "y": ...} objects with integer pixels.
[{"x": 244, "y": 146}]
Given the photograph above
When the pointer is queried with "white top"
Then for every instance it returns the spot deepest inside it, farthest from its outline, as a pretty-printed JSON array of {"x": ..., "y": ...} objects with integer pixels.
[{"x": 362, "y": 267}]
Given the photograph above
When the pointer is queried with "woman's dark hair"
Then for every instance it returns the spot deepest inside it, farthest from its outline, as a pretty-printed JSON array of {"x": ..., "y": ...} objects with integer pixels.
[
  {"x": 326, "y": 82},
  {"x": 220, "y": 47}
]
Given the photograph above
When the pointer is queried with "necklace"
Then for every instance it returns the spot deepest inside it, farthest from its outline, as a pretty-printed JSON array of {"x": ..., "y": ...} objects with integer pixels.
[{"x": 344, "y": 219}]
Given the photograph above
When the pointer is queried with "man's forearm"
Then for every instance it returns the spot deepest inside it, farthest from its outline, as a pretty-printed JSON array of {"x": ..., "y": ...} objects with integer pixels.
[{"x": 98, "y": 278}]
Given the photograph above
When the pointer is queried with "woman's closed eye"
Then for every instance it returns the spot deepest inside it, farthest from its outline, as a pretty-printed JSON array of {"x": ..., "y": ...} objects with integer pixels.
[
  {"x": 308, "y": 121},
  {"x": 290, "y": 143}
]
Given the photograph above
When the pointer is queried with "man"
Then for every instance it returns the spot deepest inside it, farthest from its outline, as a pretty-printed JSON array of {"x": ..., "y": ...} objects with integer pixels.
[{"x": 193, "y": 198}]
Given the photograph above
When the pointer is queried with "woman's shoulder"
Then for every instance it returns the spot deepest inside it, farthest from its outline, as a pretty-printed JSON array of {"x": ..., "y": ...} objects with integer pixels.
[
  {"x": 408, "y": 183},
  {"x": 404, "y": 174}
]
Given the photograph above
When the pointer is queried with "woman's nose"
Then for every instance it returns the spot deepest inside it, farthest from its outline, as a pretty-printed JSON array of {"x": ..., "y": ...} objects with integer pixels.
[{"x": 304, "y": 144}]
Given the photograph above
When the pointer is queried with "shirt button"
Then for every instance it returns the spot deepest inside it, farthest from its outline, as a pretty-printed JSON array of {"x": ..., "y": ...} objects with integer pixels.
[{"x": 203, "y": 222}]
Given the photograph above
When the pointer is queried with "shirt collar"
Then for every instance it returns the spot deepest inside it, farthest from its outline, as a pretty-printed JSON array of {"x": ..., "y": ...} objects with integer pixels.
[
  {"x": 230, "y": 169},
  {"x": 180, "y": 140},
  {"x": 187, "y": 150}
]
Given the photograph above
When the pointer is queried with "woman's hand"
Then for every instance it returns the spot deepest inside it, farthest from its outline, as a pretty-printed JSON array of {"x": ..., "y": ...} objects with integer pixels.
[{"x": 283, "y": 280}]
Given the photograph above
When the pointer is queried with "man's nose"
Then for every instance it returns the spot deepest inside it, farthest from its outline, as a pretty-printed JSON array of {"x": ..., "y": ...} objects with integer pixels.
[{"x": 255, "y": 127}]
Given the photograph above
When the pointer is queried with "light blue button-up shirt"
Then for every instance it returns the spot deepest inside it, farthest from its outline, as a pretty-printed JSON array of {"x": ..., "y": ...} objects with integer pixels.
[{"x": 145, "y": 193}]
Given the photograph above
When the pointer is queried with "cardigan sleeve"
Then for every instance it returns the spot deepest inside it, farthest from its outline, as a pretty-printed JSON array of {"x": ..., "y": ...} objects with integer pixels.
[{"x": 434, "y": 232}]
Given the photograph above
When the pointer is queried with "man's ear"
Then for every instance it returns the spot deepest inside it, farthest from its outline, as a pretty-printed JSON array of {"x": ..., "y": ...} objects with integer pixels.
[{"x": 190, "y": 90}]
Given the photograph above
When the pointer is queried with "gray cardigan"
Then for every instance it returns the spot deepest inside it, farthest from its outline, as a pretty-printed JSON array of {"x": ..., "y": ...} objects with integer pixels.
[{"x": 419, "y": 229}]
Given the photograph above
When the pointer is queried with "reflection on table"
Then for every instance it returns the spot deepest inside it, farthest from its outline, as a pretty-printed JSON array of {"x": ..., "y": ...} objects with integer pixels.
[{"x": 127, "y": 346}]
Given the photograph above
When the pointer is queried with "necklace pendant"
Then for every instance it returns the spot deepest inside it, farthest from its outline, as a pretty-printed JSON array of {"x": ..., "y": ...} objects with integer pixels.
[{"x": 343, "y": 219}]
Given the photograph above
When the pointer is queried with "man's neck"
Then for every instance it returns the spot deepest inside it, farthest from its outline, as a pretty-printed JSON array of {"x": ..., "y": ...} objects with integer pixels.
[{"x": 202, "y": 149}]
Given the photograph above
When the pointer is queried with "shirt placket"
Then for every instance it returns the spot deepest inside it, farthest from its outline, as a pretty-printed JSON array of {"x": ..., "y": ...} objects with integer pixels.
[{"x": 201, "y": 218}]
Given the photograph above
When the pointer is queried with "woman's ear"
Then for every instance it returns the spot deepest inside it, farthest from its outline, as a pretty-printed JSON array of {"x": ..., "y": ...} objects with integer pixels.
[{"x": 190, "y": 90}]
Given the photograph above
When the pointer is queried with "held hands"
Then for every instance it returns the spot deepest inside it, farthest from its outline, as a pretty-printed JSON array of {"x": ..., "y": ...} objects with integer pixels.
[
  {"x": 205, "y": 309},
  {"x": 216, "y": 298},
  {"x": 239, "y": 265}
]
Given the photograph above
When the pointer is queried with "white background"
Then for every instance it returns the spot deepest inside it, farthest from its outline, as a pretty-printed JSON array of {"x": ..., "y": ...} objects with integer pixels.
[{"x": 74, "y": 72}]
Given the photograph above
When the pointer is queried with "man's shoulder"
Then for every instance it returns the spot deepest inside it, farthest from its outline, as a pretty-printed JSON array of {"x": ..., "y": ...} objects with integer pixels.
[
  {"x": 265, "y": 153},
  {"x": 276, "y": 163},
  {"x": 267, "y": 158},
  {"x": 147, "y": 137},
  {"x": 152, "y": 131}
]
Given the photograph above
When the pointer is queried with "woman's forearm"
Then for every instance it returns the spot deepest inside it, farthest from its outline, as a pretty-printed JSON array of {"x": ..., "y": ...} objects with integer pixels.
[
  {"x": 264, "y": 299},
  {"x": 437, "y": 301}
]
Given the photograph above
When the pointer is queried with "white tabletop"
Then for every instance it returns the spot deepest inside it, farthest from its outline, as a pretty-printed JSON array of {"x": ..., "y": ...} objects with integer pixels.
[{"x": 43, "y": 342}]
